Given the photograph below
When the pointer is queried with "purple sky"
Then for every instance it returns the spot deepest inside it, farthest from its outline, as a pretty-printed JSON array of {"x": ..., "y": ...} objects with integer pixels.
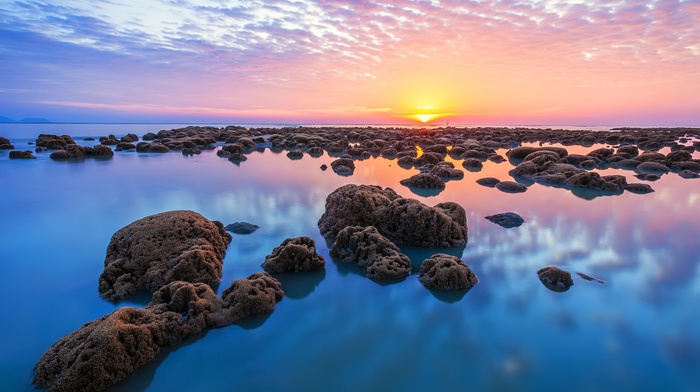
[{"x": 477, "y": 62}]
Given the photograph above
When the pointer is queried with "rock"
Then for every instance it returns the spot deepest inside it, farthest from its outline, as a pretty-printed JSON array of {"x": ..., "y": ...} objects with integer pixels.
[
  {"x": 149, "y": 136},
  {"x": 410, "y": 222},
  {"x": 125, "y": 146},
  {"x": 555, "y": 279},
  {"x": 632, "y": 151},
  {"x": 242, "y": 227},
  {"x": 257, "y": 294},
  {"x": 354, "y": 205},
  {"x": 129, "y": 138},
  {"x": 522, "y": 152},
  {"x": 21, "y": 155},
  {"x": 446, "y": 173},
  {"x": 60, "y": 155},
  {"x": 593, "y": 180},
  {"x": 488, "y": 181},
  {"x": 506, "y": 219},
  {"x": 446, "y": 272},
  {"x": 54, "y": 142},
  {"x": 647, "y": 177},
  {"x": 401, "y": 220},
  {"x": 639, "y": 188},
  {"x": 651, "y": 167},
  {"x": 71, "y": 151},
  {"x": 424, "y": 180},
  {"x": 688, "y": 174},
  {"x": 510, "y": 187},
  {"x": 105, "y": 351},
  {"x": 5, "y": 144},
  {"x": 162, "y": 248},
  {"x": 294, "y": 255},
  {"x": 294, "y": 155},
  {"x": 472, "y": 164},
  {"x": 366, "y": 247},
  {"x": 343, "y": 166},
  {"x": 589, "y": 278},
  {"x": 324, "y": 167},
  {"x": 100, "y": 151}
]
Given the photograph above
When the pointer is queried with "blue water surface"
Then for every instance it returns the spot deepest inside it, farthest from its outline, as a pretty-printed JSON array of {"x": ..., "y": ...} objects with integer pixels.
[{"x": 337, "y": 330}]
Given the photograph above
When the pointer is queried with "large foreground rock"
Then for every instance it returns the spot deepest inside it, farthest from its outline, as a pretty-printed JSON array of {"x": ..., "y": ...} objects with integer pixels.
[
  {"x": 105, "y": 351},
  {"x": 446, "y": 272},
  {"x": 366, "y": 247},
  {"x": 294, "y": 255},
  {"x": 162, "y": 248},
  {"x": 403, "y": 221}
]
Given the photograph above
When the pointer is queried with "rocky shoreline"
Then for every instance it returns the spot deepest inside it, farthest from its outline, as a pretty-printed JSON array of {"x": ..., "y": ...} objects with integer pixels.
[{"x": 547, "y": 162}]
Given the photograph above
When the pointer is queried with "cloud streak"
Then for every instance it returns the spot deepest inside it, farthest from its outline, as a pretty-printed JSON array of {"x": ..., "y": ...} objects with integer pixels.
[{"x": 465, "y": 56}]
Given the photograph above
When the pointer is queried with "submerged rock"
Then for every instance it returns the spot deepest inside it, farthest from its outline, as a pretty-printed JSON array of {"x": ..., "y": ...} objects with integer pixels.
[
  {"x": 446, "y": 272},
  {"x": 21, "y": 155},
  {"x": 366, "y": 247},
  {"x": 294, "y": 255},
  {"x": 506, "y": 219},
  {"x": 105, "y": 351},
  {"x": 555, "y": 279},
  {"x": 242, "y": 227},
  {"x": 162, "y": 248}
]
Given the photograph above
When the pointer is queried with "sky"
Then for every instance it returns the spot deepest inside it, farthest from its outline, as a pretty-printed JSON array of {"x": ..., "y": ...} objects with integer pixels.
[{"x": 490, "y": 62}]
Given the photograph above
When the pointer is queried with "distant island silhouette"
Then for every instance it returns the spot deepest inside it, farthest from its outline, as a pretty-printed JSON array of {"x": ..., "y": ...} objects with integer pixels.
[{"x": 30, "y": 120}]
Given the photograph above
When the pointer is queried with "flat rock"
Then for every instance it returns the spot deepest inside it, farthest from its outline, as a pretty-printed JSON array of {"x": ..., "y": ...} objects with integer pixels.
[
  {"x": 488, "y": 181},
  {"x": 241, "y": 227},
  {"x": 510, "y": 187},
  {"x": 506, "y": 219}
]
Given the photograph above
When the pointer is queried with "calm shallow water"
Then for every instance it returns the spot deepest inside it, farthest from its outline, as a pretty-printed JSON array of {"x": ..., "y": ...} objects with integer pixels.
[{"x": 338, "y": 330}]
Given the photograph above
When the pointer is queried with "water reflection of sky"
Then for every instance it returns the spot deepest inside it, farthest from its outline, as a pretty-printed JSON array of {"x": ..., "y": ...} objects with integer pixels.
[{"x": 341, "y": 331}]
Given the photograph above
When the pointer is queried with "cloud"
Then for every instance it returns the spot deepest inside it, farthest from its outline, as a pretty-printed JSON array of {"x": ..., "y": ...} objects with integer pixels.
[{"x": 356, "y": 47}]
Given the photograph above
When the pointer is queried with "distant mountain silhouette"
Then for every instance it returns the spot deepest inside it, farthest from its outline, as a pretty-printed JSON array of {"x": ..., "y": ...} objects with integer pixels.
[
  {"x": 4, "y": 119},
  {"x": 35, "y": 120}
]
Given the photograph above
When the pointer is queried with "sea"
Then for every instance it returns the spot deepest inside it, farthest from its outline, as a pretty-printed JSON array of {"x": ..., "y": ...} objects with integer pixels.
[{"x": 336, "y": 330}]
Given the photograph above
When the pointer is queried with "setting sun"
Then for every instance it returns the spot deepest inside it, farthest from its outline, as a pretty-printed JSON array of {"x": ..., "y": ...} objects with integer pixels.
[{"x": 425, "y": 117}]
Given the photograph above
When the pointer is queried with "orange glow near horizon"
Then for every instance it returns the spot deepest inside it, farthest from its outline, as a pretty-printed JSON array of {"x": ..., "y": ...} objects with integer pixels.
[{"x": 425, "y": 117}]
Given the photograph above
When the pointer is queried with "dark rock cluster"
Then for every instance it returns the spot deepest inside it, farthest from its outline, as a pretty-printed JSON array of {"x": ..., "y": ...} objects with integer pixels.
[
  {"x": 402, "y": 220},
  {"x": 162, "y": 248},
  {"x": 105, "y": 351}
]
